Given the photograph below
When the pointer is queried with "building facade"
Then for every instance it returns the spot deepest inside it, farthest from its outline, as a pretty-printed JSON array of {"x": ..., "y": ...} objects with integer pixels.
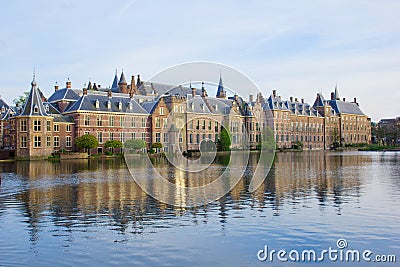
[{"x": 181, "y": 118}]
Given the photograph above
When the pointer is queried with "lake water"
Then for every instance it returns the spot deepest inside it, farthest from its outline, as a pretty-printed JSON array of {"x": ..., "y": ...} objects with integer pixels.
[{"x": 83, "y": 212}]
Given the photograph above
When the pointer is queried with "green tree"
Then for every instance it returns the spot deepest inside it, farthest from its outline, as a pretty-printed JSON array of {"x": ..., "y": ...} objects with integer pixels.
[
  {"x": 267, "y": 139},
  {"x": 156, "y": 145},
  {"x": 298, "y": 145},
  {"x": 135, "y": 144},
  {"x": 113, "y": 144},
  {"x": 20, "y": 101},
  {"x": 224, "y": 142},
  {"x": 86, "y": 141}
]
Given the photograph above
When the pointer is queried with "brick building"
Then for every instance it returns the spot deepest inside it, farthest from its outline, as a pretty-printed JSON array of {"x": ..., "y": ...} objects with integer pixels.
[{"x": 181, "y": 118}]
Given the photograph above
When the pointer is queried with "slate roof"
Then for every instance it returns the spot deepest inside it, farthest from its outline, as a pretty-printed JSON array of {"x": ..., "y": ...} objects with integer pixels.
[
  {"x": 297, "y": 108},
  {"x": 345, "y": 107},
  {"x": 66, "y": 94},
  {"x": 3, "y": 104},
  {"x": 319, "y": 101},
  {"x": 34, "y": 103},
  {"x": 88, "y": 103},
  {"x": 51, "y": 108},
  {"x": 165, "y": 89}
]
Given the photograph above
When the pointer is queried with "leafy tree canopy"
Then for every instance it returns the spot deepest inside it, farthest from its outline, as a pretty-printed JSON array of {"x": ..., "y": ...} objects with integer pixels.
[
  {"x": 224, "y": 142},
  {"x": 156, "y": 145},
  {"x": 20, "y": 101},
  {"x": 86, "y": 141},
  {"x": 113, "y": 144},
  {"x": 135, "y": 144}
]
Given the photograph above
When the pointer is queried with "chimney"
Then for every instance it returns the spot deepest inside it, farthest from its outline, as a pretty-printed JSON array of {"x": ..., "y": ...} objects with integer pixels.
[
  {"x": 274, "y": 93},
  {"x": 344, "y": 99},
  {"x": 302, "y": 100},
  {"x": 193, "y": 91},
  {"x": 295, "y": 100},
  {"x": 94, "y": 86},
  {"x": 291, "y": 99},
  {"x": 251, "y": 98},
  {"x": 203, "y": 92},
  {"x": 332, "y": 96},
  {"x": 56, "y": 87},
  {"x": 236, "y": 97},
  {"x": 84, "y": 90},
  {"x": 109, "y": 94},
  {"x": 68, "y": 84},
  {"x": 138, "y": 82},
  {"x": 355, "y": 100},
  {"x": 131, "y": 94}
]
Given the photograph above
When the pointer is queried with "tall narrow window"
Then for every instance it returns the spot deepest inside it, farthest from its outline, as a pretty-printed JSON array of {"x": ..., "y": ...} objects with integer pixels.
[
  {"x": 23, "y": 126},
  {"x": 56, "y": 140},
  {"x": 100, "y": 137},
  {"x": 37, "y": 141},
  {"x": 37, "y": 125},
  {"x": 68, "y": 141},
  {"x": 24, "y": 143},
  {"x": 158, "y": 122},
  {"x": 87, "y": 120},
  {"x": 99, "y": 121}
]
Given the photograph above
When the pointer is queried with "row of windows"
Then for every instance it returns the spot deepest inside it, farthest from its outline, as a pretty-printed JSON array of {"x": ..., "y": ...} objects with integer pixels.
[
  {"x": 122, "y": 136},
  {"x": 355, "y": 137},
  {"x": 350, "y": 127},
  {"x": 101, "y": 121},
  {"x": 203, "y": 124},
  {"x": 286, "y": 138},
  {"x": 37, "y": 141},
  {"x": 37, "y": 126},
  {"x": 197, "y": 138},
  {"x": 299, "y": 127}
]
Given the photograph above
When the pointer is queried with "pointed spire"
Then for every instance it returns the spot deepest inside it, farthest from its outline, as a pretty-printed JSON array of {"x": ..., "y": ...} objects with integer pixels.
[
  {"x": 337, "y": 97},
  {"x": 33, "y": 83},
  {"x": 221, "y": 91},
  {"x": 115, "y": 81},
  {"x": 122, "y": 80},
  {"x": 33, "y": 105}
]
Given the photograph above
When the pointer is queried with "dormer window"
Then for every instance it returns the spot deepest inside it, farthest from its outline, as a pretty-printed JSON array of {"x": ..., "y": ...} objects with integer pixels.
[
  {"x": 216, "y": 107},
  {"x": 97, "y": 104},
  {"x": 203, "y": 107},
  {"x": 3, "y": 109},
  {"x": 35, "y": 109},
  {"x": 130, "y": 106},
  {"x": 46, "y": 107},
  {"x": 109, "y": 104},
  {"x": 120, "y": 105}
]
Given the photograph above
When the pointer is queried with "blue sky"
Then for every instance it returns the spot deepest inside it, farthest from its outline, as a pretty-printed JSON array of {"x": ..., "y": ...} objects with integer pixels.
[{"x": 297, "y": 47}]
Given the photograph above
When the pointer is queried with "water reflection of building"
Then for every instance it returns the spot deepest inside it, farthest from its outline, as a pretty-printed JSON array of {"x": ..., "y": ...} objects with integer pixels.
[
  {"x": 318, "y": 175},
  {"x": 76, "y": 190}
]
